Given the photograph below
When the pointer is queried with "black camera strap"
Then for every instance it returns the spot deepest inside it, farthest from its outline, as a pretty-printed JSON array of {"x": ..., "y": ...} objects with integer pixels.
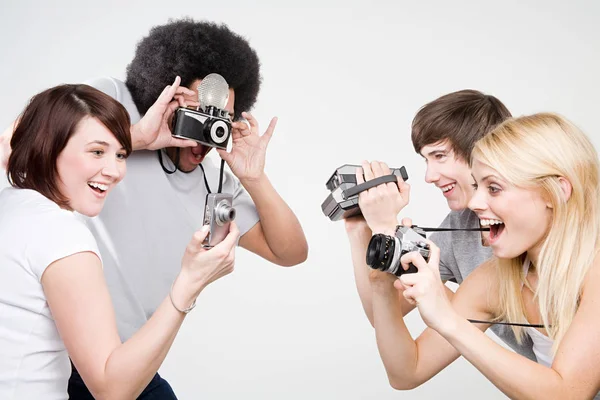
[
  {"x": 476, "y": 321},
  {"x": 368, "y": 185},
  {"x": 450, "y": 229},
  {"x": 220, "y": 177}
]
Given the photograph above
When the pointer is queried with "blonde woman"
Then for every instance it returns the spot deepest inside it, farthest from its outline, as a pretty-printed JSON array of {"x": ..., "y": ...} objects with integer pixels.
[{"x": 537, "y": 187}]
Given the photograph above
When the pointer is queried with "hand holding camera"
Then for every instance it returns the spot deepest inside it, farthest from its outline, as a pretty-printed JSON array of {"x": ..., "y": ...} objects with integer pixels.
[
  {"x": 201, "y": 266},
  {"x": 152, "y": 132},
  {"x": 380, "y": 205},
  {"x": 249, "y": 148},
  {"x": 425, "y": 289}
]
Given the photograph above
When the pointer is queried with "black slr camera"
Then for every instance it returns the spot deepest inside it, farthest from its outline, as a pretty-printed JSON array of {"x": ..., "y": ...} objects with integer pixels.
[
  {"x": 342, "y": 202},
  {"x": 210, "y": 124},
  {"x": 384, "y": 252}
]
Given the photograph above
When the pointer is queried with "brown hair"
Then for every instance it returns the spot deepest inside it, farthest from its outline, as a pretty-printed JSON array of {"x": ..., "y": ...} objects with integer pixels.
[
  {"x": 46, "y": 125},
  {"x": 461, "y": 117}
]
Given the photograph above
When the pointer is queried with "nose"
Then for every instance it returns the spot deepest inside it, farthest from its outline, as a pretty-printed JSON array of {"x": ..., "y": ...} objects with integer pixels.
[
  {"x": 113, "y": 168},
  {"x": 477, "y": 202},
  {"x": 431, "y": 174}
]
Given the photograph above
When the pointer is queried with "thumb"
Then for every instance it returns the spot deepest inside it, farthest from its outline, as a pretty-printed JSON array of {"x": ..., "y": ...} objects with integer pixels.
[
  {"x": 407, "y": 221},
  {"x": 199, "y": 236},
  {"x": 225, "y": 155}
]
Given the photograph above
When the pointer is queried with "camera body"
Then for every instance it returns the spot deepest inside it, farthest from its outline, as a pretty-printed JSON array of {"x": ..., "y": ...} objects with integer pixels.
[
  {"x": 336, "y": 206},
  {"x": 384, "y": 252},
  {"x": 218, "y": 214},
  {"x": 211, "y": 127}
]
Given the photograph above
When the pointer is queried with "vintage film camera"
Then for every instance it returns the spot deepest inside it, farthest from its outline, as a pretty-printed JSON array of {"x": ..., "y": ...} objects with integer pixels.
[
  {"x": 210, "y": 124},
  {"x": 218, "y": 214},
  {"x": 342, "y": 202},
  {"x": 384, "y": 252}
]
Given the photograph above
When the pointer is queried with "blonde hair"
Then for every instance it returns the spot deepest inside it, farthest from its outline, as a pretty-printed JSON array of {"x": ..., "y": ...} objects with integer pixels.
[{"x": 533, "y": 152}]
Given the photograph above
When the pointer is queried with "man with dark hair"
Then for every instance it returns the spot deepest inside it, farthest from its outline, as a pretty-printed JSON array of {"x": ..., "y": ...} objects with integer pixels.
[
  {"x": 148, "y": 219},
  {"x": 444, "y": 132}
]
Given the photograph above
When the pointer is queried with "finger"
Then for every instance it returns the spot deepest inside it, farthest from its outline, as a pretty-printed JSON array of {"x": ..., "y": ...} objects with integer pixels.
[
  {"x": 409, "y": 296},
  {"x": 231, "y": 238},
  {"x": 377, "y": 170},
  {"x": 385, "y": 169},
  {"x": 196, "y": 243},
  {"x": 367, "y": 170},
  {"x": 227, "y": 157},
  {"x": 251, "y": 120},
  {"x": 181, "y": 100},
  {"x": 177, "y": 142},
  {"x": 434, "y": 253},
  {"x": 270, "y": 129},
  {"x": 359, "y": 176},
  {"x": 407, "y": 221},
  {"x": 409, "y": 280},
  {"x": 186, "y": 91},
  {"x": 399, "y": 285},
  {"x": 167, "y": 95},
  {"x": 415, "y": 258}
]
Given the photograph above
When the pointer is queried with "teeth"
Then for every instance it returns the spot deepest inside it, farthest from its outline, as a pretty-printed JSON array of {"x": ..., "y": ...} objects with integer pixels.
[
  {"x": 488, "y": 222},
  {"x": 98, "y": 186},
  {"x": 448, "y": 188}
]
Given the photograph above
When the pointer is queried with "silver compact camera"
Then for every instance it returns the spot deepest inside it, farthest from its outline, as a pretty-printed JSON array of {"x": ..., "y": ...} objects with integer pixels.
[{"x": 218, "y": 214}]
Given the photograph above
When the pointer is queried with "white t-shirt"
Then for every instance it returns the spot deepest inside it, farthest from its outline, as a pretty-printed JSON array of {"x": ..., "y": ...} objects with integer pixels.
[
  {"x": 34, "y": 232},
  {"x": 147, "y": 221}
]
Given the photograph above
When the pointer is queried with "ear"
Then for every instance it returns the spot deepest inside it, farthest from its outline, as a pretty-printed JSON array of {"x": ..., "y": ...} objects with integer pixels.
[{"x": 566, "y": 188}]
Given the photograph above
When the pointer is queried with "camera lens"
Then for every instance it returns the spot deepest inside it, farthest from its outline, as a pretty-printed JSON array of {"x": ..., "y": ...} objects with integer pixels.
[
  {"x": 224, "y": 213},
  {"x": 219, "y": 131},
  {"x": 380, "y": 252}
]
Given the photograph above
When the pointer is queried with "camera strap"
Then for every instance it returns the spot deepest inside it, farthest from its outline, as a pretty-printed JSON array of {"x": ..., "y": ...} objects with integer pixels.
[
  {"x": 220, "y": 177},
  {"x": 450, "y": 229},
  {"x": 476, "y": 321},
  {"x": 368, "y": 185}
]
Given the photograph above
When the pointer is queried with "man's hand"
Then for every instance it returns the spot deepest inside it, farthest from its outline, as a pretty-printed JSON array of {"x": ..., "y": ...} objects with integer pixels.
[
  {"x": 153, "y": 131},
  {"x": 381, "y": 204},
  {"x": 249, "y": 149}
]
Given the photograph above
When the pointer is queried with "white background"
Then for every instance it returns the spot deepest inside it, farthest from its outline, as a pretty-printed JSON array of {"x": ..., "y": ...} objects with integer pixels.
[{"x": 345, "y": 79}]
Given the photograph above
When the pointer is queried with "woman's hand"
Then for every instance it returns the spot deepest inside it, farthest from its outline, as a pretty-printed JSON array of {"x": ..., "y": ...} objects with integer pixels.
[
  {"x": 381, "y": 204},
  {"x": 425, "y": 288}
]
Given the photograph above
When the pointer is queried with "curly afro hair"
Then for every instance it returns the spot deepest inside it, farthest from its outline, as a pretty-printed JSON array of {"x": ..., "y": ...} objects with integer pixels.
[{"x": 193, "y": 50}]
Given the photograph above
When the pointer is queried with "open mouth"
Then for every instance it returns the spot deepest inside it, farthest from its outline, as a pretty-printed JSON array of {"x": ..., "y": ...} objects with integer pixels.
[
  {"x": 99, "y": 188},
  {"x": 496, "y": 228},
  {"x": 448, "y": 189}
]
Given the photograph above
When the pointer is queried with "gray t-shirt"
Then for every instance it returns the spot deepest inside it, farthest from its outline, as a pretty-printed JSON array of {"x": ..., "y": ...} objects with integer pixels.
[
  {"x": 148, "y": 220},
  {"x": 460, "y": 253}
]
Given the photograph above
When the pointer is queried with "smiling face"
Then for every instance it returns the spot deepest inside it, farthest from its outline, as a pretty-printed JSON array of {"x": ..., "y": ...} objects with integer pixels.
[
  {"x": 518, "y": 218},
  {"x": 449, "y": 173},
  {"x": 90, "y": 165},
  {"x": 190, "y": 157}
]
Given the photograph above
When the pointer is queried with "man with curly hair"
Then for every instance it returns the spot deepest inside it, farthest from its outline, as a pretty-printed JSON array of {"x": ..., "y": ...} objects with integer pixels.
[{"x": 149, "y": 218}]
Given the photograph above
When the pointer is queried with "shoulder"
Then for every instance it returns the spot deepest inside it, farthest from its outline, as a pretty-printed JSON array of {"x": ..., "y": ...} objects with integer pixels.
[
  {"x": 482, "y": 284},
  {"x": 116, "y": 89}
]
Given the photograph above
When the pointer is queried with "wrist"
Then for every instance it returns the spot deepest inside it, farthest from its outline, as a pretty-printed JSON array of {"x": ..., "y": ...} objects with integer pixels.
[
  {"x": 450, "y": 326},
  {"x": 388, "y": 228},
  {"x": 185, "y": 290},
  {"x": 137, "y": 142},
  {"x": 254, "y": 182}
]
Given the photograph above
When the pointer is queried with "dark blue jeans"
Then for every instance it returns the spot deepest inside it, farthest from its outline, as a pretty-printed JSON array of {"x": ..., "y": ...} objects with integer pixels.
[{"x": 157, "y": 389}]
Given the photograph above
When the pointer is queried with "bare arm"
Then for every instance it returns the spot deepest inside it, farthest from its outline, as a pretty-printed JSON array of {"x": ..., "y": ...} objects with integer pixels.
[
  {"x": 80, "y": 304},
  {"x": 278, "y": 236},
  {"x": 408, "y": 362},
  {"x": 359, "y": 236},
  {"x": 575, "y": 372}
]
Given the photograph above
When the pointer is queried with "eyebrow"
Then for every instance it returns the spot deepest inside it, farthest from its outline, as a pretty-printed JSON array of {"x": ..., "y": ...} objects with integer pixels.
[
  {"x": 103, "y": 143},
  {"x": 486, "y": 178},
  {"x": 432, "y": 152}
]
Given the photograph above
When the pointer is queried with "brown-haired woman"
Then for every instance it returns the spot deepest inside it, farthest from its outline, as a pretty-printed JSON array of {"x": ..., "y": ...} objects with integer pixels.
[{"x": 68, "y": 151}]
